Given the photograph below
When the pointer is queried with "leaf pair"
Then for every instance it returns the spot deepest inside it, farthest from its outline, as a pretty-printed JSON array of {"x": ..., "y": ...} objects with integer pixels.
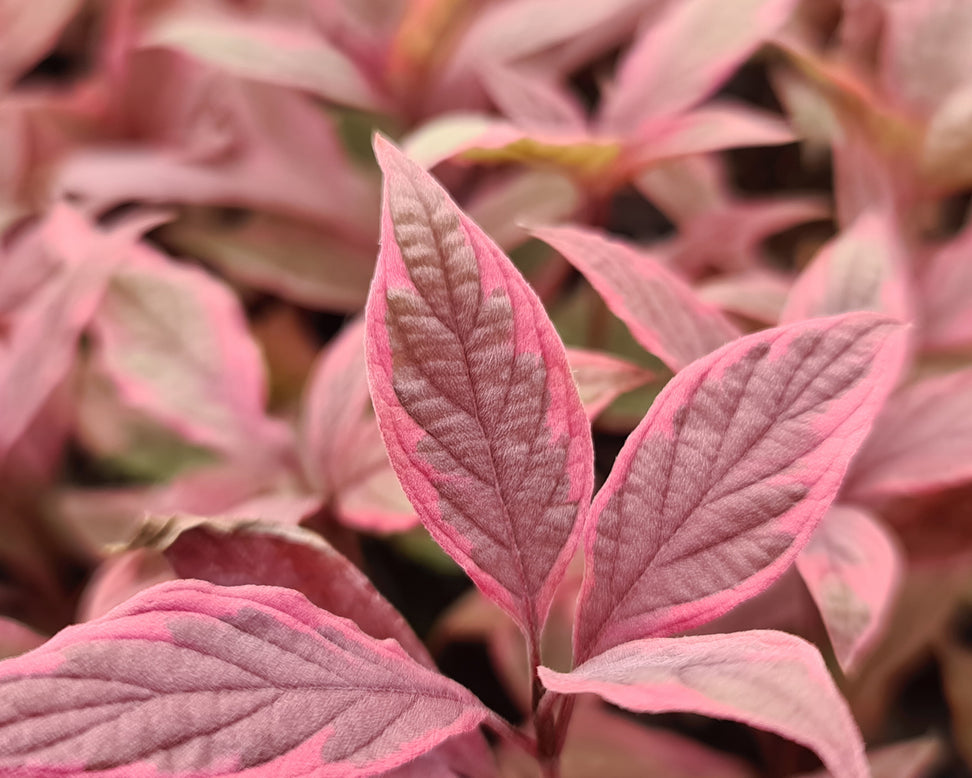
[{"x": 709, "y": 501}]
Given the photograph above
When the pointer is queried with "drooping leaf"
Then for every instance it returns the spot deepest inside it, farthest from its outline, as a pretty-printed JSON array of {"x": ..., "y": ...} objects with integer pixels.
[
  {"x": 190, "y": 678},
  {"x": 233, "y": 553},
  {"x": 474, "y": 397},
  {"x": 852, "y": 568},
  {"x": 766, "y": 679},
  {"x": 685, "y": 54},
  {"x": 728, "y": 474},
  {"x": 660, "y": 309},
  {"x": 862, "y": 269},
  {"x": 922, "y": 441}
]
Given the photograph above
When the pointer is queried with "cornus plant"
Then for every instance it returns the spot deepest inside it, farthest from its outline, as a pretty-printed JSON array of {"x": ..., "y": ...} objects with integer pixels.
[{"x": 709, "y": 501}]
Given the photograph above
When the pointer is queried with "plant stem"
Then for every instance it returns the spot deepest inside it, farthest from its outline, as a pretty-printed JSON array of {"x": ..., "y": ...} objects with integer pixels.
[
  {"x": 563, "y": 720},
  {"x": 544, "y": 706}
]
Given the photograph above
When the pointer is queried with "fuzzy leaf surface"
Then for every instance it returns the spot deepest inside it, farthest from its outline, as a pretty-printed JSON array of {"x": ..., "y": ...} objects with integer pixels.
[
  {"x": 474, "y": 397},
  {"x": 728, "y": 474},
  {"x": 763, "y": 678},
  {"x": 191, "y": 679}
]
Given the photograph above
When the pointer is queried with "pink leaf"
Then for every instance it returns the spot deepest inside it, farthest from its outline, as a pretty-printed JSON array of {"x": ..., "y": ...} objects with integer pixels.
[
  {"x": 474, "y": 397},
  {"x": 190, "y": 678},
  {"x": 205, "y": 138},
  {"x": 602, "y": 742},
  {"x": 41, "y": 345},
  {"x": 335, "y": 402},
  {"x": 341, "y": 446},
  {"x": 921, "y": 443},
  {"x": 285, "y": 55},
  {"x": 729, "y": 238},
  {"x": 232, "y": 553},
  {"x": 862, "y": 269},
  {"x": 119, "y": 578},
  {"x": 311, "y": 265},
  {"x": 512, "y": 31},
  {"x": 684, "y": 189},
  {"x": 945, "y": 287},
  {"x": 914, "y": 758},
  {"x": 284, "y": 508},
  {"x": 758, "y": 294},
  {"x": 28, "y": 31},
  {"x": 852, "y": 568},
  {"x": 716, "y": 126},
  {"x": 533, "y": 103},
  {"x": 765, "y": 679},
  {"x": 176, "y": 344},
  {"x": 728, "y": 474},
  {"x": 685, "y": 54},
  {"x": 926, "y": 50},
  {"x": 601, "y": 378},
  {"x": 948, "y": 141},
  {"x": 660, "y": 309},
  {"x": 502, "y": 209},
  {"x": 16, "y": 638}
]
